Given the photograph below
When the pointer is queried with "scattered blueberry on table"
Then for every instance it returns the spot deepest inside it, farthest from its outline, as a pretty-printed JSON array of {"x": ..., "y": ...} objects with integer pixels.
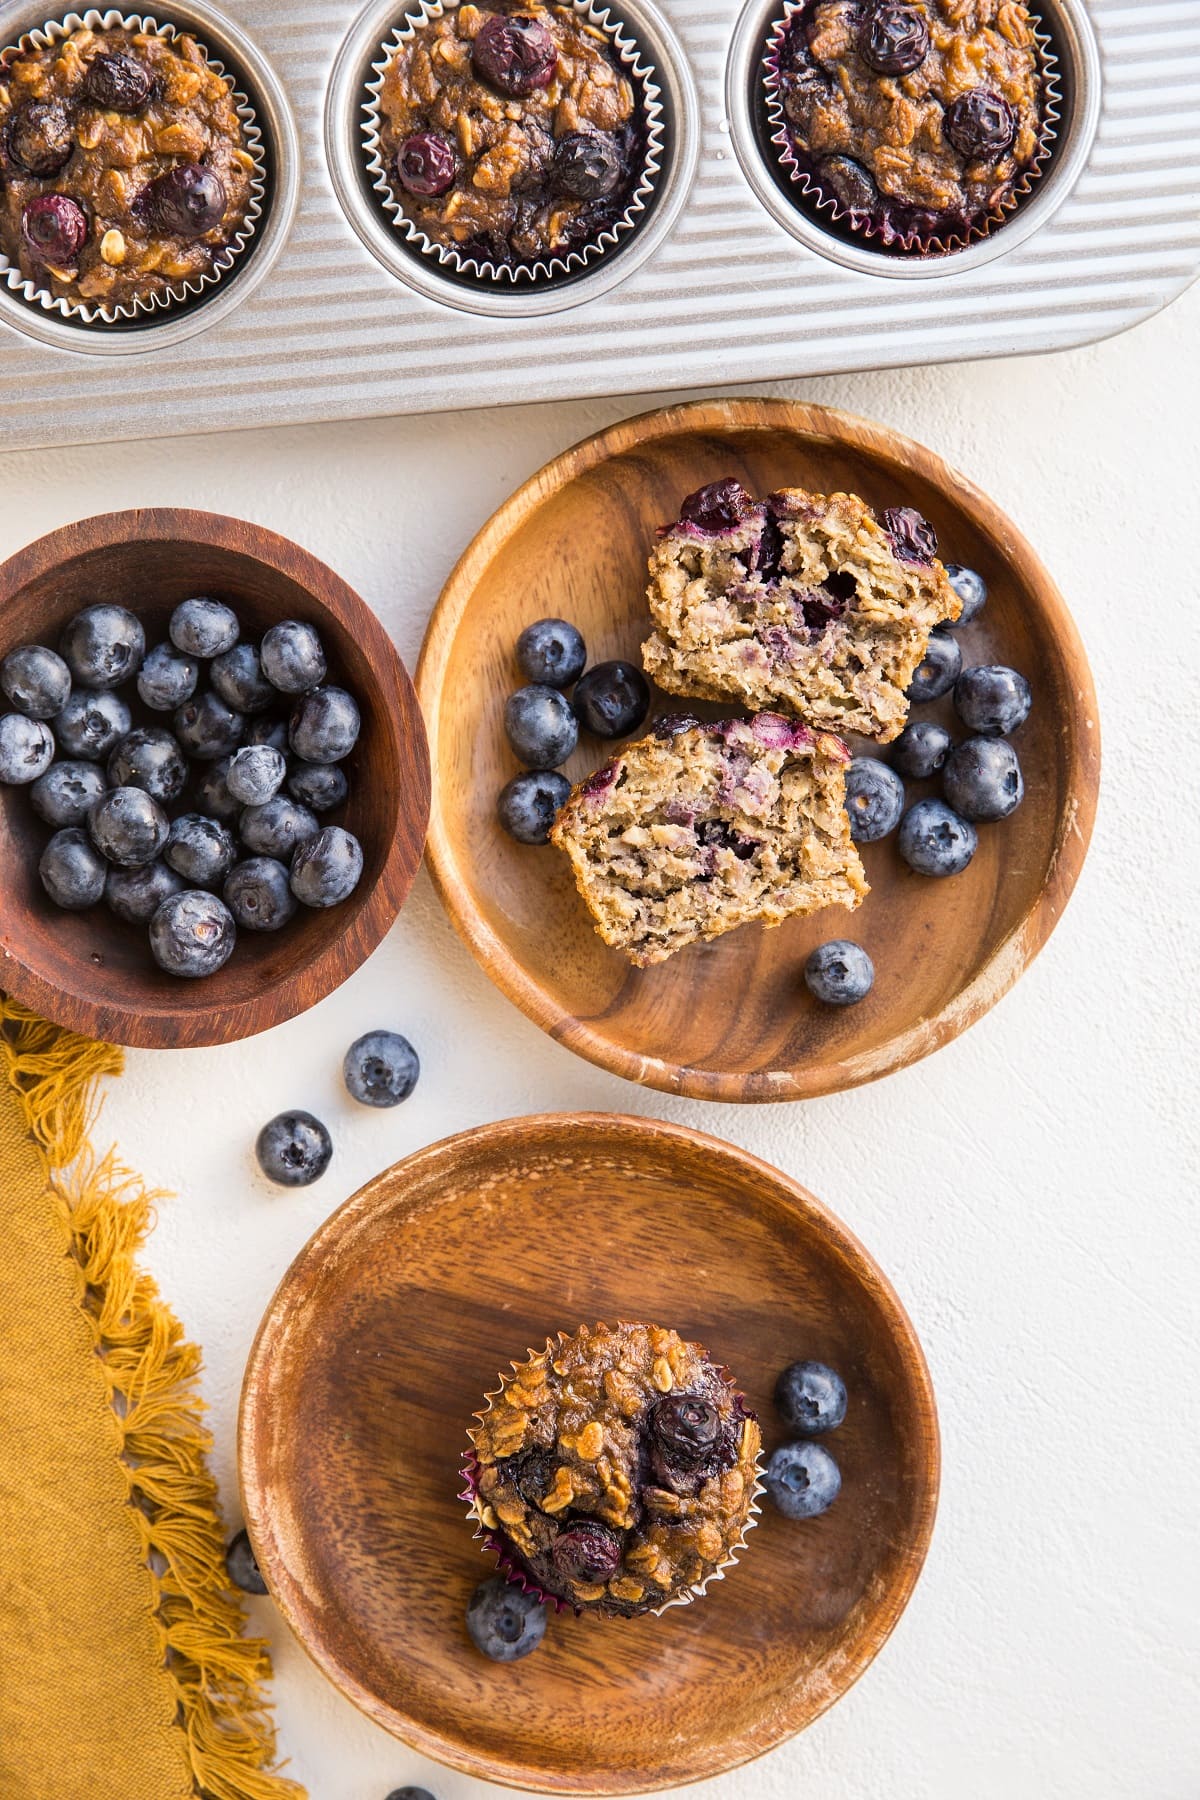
[
  {"x": 242, "y": 1565},
  {"x": 381, "y": 1068},
  {"x": 293, "y": 1149},
  {"x": 839, "y": 973},
  {"x": 410, "y": 1793},
  {"x": 811, "y": 1398},
  {"x": 504, "y": 1621},
  {"x": 803, "y": 1480}
]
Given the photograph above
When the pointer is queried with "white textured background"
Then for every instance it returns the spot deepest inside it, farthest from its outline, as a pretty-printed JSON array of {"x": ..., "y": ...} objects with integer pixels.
[{"x": 1031, "y": 1190}]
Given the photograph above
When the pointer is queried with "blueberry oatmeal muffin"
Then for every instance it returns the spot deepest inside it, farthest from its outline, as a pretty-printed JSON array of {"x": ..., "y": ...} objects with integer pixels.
[
  {"x": 616, "y": 1471},
  {"x": 511, "y": 133},
  {"x": 124, "y": 170},
  {"x": 806, "y": 602},
  {"x": 917, "y": 121},
  {"x": 698, "y": 829}
]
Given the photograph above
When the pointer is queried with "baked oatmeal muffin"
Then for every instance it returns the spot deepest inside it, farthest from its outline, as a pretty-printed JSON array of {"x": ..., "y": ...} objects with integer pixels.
[
  {"x": 803, "y": 601},
  {"x": 698, "y": 829},
  {"x": 616, "y": 1471},
  {"x": 124, "y": 171},
  {"x": 511, "y": 133},
  {"x": 917, "y": 121}
]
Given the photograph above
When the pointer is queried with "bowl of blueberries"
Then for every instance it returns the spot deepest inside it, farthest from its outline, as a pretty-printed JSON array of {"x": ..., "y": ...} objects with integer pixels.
[{"x": 214, "y": 778}]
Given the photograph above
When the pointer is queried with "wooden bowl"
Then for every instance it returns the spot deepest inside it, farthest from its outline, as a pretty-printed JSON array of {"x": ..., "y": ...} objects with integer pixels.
[
  {"x": 394, "y": 1322},
  {"x": 91, "y": 972},
  {"x": 732, "y": 1020}
]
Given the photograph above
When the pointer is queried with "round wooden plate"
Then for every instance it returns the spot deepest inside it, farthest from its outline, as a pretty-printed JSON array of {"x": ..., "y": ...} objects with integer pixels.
[
  {"x": 396, "y": 1319},
  {"x": 732, "y": 1020}
]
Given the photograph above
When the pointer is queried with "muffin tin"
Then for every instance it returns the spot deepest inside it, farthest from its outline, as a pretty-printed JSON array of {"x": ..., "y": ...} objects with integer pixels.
[{"x": 330, "y": 317}]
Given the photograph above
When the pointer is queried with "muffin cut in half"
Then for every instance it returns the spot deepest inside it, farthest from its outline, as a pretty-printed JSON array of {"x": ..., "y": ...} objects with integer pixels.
[
  {"x": 697, "y": 829},
  {"x": 806, "y": 602}
]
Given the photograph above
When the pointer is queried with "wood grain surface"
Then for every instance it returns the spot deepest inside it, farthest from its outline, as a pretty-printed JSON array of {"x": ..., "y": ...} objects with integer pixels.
[
  {"x": 732, "y": 1020},
  {"x": 394, "y": 1322},
  {"x": 90, "y": 971}
]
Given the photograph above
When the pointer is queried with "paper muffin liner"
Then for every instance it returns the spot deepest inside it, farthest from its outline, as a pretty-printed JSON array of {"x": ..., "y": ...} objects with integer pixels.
[
  {"x": 89, "y": 312},
  {"x": 553, "y": 268},
  {"x": 828, "y": 210},
  {"x": 509, "y": 1562}
]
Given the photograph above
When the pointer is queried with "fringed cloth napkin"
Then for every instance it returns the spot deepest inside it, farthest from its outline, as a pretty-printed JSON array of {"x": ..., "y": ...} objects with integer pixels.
[{"x": 124, "y": 1674}]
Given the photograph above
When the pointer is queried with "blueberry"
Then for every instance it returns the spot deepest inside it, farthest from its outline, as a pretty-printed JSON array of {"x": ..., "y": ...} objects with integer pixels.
[
  {"x": 117, "y": 83},
  {"x": 803, "y": 1480},
  {"x": 324, "y": 725},
  {"x": 517, "y": 56},
  {"x": 938, "y": 670},
  {"x": 259, "y": 895},
  {"x": 188, "y": 200},
  {"x": 151, "y": 759},
  {"x": 207, "y": 728},
  {"x": 136, "y": 894},
  {"x": 292, "y": 658},
  {"x": 529, "y": 805},
  {"x": 326, "y": 869},
  {"x": 103, "y": 646},
  {"x": 255, "y": 774},
  {"x": 321, "y": 786},
  {"x": 380, "y": 1068},
  {"x": 426, "y": 164},
  {"x": 992, "y": 701},
  {"x": 980, "y": 124},
  {"x": 971, "y": 589},
  {"x": 242, "y": 1566},
  {"x": 54, "y": 229},
  {"x": 540, "y": 727},
  {"x": 551, "y": 653},
  {"x": 588, "y": 165},
  {"x": 35, "y": 681},
  {"x": 278, "y": 827},
  {"x": 983, "y": 779},
  {"x": 26, "y": 748},
  {"x": 66, "y": 793},
  {"x": 201, "y": 850},
  {"x": 874, "y": 799},
  {"x": 849, "y": 183},
  {"x": 273, "y": 731},
  {"x": 612, "y": 699},
  {"x": 167, "y": 678},
  {"x": 212, "y": 791},
  {"x": 839, "y": 973},
  {"x": 504, "y": 1621},
  {"x": 293, "y": 1149},
  {"x": 721, "y": 506},
  {"x": 72, "y": 870},
  {"x": 586, "y": 1551},
  {"x": 192, "y": 934},
  {"x": 410, "y": 1793},
  {"x": 237, "y": 676},
  {"x": 921, "y": 749},
  {"x": 91, "y": 723},
  {"x": 686, "y": 1426},
  {"x": 936, "y": 841},
  {"x": 893, "y": 38},
  {"x": 203, "y": 628},
  {"x": 40, "y": 139},
  {"x": 913, "y": 538},
  {"x": 811, "y": 1398},
  {"x": 128, "y": 826}
]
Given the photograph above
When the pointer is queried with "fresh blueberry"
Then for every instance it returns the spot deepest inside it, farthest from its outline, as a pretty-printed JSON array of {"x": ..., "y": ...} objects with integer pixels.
[
  {"x": 293, "y": 1149},
  {"x": 149, "y": 758},
  {"x": 380, "y": 1068},
  {"x": 117, "y": 83},
  {"x": 529, "y": 805},
  {"x": 256, "y": 774},
  {"x": 321, "y": 786},
  {"x": 40, "y": 138},
  {"x": 938, "y": 671},
  {"x": 103, "y": 646},
  {"x": 242, "y": 1566},
  {"x": 72, "y": 870},
  {"x": 128, "y": 826},
  {"x": 188, "y": 200},
  {"x": 551, "y": 653},
  {"x": 971, "y": 589},
  {"x": 992, "y": 701},
  {"x": 192, "y": 934},
  {"x": 35, "y": 681},
  {"x": 324, "y": 725},
  {"x": 207, "y": 728},
  {"x": 201, "y": 850},
  {"x": 504, "y": 1621},
  {"x": 326, "y": 869},
  {"x": 91, "y": 723},
  {"x": 921, "y": 749},
  {"x": 721, "y": 506},
  {"x": 811, "y": 1398},
  {"x": 874, "y": 799},
  {"x": 410, "y": 1793},
  {"x": 26, "y": 748},
  {"x": 273, "y": 731},
  {"x": 912, "y": 536},
  {"x": 803, "y": 1480},
  {"x": 237, "y": 675},
  {"x": 517, "y": 56},
  {"x": 203, "y": 628},
  {"x": 212, "y": 791},
  {"x": 66, "y": 793},
  {"x": 588, "y": 165},
  {"x": 54, "y": 229},
  {"x": 259, "y": 895},
  {"x": 277, "y": 828},
  {"x": 936, "y": 841},
  {"x": 292, "y": 658},
  {"x": 136, "y": 894},
  {"x": 167, "y": 678},
  {"x": 426, "y": 164},
  {"x": 839, "y": 973},
  {"x": 612, "y": 699},
  {"x": 983, "y": 779},
  {"x": 540, "y": 727}
]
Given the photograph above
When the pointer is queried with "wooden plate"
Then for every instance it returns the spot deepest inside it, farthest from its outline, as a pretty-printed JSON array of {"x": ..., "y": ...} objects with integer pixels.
[
  {"x": 396, "y": 1319},
  {"x": 732, "y": 1020}
]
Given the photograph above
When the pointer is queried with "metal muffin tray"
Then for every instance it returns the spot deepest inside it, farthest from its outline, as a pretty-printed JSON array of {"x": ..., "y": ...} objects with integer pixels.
[{"x": 330, "y": 317}]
